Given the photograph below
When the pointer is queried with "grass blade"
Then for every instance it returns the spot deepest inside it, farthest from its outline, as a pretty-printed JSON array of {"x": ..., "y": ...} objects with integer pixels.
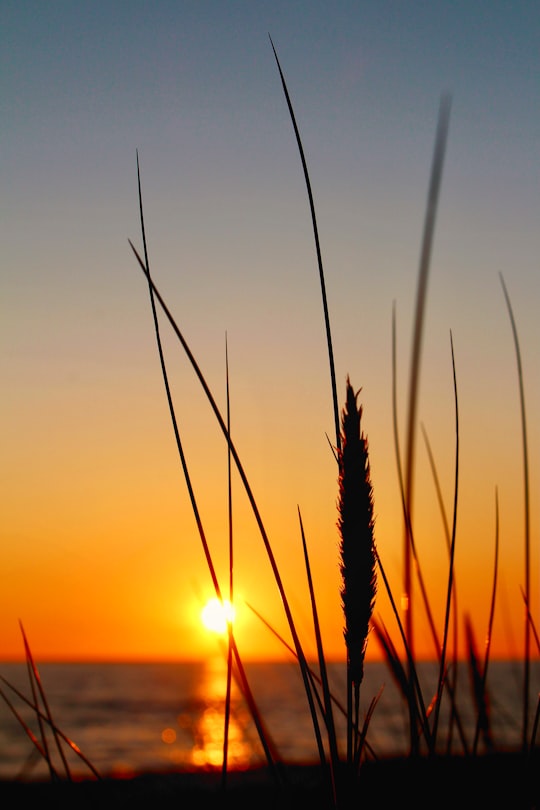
[
  {"x": 317, "y": 248},
  {"x": 74, "y": 747},
  {"x": 414, "y": 379},
  {"x": 35, "y": 681},
  {"x": 527, "y": 510},
  {"x": 491, "y": 612},
  {"x": 231, "y": 585},
  {"x": 450, "y": 587},
  {"x": 480, "y": 693},
  {"x": 328, "y": 714},
  {"x": 268, "y": 747}
]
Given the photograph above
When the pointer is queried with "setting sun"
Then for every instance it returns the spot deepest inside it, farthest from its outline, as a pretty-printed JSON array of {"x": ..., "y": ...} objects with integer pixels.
[{"x": 216, "y": 614}]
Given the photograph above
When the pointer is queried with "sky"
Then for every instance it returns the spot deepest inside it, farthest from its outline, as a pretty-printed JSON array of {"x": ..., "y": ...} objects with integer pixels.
[{"x": 100, "y": 555}]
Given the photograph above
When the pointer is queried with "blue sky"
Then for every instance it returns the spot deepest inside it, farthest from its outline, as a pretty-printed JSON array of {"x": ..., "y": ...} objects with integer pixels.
[{"x": 194, "y": 87}]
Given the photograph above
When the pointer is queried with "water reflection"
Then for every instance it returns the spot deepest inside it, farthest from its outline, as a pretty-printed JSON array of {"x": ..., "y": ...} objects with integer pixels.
[{"x": 204, "y": 723}]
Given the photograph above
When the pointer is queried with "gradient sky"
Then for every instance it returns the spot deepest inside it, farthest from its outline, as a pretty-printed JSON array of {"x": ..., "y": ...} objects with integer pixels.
[{"x": 100, "y": 555}]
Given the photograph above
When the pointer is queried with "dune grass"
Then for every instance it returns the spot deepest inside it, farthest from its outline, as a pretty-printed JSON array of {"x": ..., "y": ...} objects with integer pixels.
[
  {"x": 362, "y": 568},
  {"x": 424, "y": 714}
]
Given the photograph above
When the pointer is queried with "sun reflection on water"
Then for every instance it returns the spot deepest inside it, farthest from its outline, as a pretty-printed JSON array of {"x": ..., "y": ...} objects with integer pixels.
[
  {"x": 204, "y": 726},
  {"x": 210, "y": 731}
]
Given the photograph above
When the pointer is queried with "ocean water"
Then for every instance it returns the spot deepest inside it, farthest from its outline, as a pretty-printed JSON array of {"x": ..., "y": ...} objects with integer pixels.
[{"x": 128, "y": 719}]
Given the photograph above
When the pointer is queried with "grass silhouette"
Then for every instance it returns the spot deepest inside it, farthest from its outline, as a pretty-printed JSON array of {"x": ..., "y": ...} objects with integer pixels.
[{"x": 346, "y": 775}]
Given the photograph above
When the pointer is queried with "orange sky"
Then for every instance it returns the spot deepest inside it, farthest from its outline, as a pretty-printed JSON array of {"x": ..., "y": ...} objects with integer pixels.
[
  {"x": 100, "y": 557},
  {"x": 110, "y": 566}
]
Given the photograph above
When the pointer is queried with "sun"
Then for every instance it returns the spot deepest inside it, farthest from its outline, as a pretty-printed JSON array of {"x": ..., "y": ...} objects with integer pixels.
[{"x": 216, "y": 615}]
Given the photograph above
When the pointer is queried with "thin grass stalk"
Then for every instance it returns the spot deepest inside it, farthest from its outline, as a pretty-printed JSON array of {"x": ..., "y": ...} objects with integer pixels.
[
  {"x": 43, "y": 748},
  {"x": 357, "y": 552},
  {"x": 392, "y": 658},
  {"x": 231, "y": 585},
  {"x": 314, "y": 677},
  {"x": 455, "y": 657},
  {"x": 401, "y": 678},
  {"x": 415, "y": 699},
  {"x": 317, "y": 248},
  {"x": 328, "y": 713},
  {"x": 527, "y": 509},
  {"x": 74, "y": 747},
  {"x": 406, "y": 512},
  {"x": 255, "y": 509},
  {"x": 414, "y": 379},
  {"x": 491, "y": 614},
  {"x": 480, "y": 693},
  {"x": 412, "y": 545},
  {"x": 40, "y": 748},
  {"x": 534, "y": 732},
  {"x": 362, "y": 735},
  {"x": 423, "y": 590},
  {"x": 35, "y": 680},
  {"x": 155, "y": 294},
  {"x": 450, "y": 587},
  {"x": 268, "y": 747},
  {"x": 534, "y": 631}
]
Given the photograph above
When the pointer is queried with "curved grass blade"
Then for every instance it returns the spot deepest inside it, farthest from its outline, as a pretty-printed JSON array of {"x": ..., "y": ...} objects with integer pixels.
[
  {"x": 74, "y": 747},
  {"x": 455, "y": 657},
  {"x": 491, "y": 614},
  {"x": 35, "y": 681},
  {"x": 361, "y": 741},
  {"x": 247, "y": 487},
  {"x": 480, "y": 693},
  {"x": 527, "y": 510},
  {"x": 328, "y": 714},
  {"x": 406, "y": 511},
  {"x": 450, "y": 588},
  {"x": 313, "y": 675},
  {"x": 414, "y": 379},
  {"x": 42, "y": 749},
  {"x": 317, "y": 248},
  {"x": 415, "y": 700},
  {"x": 231, "y": 586},
  {"x": 269, "y": 748}
]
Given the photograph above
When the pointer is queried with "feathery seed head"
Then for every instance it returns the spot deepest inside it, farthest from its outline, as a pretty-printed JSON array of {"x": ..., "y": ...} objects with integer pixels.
[{"x": 356, "y": 528}]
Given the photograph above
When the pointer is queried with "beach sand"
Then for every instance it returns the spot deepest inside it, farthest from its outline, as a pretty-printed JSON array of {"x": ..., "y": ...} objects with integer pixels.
[{"x": 506, "y": 780}]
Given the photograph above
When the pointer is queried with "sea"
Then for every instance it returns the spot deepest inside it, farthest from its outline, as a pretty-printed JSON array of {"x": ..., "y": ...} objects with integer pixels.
[{"x": 126, "y": 719}]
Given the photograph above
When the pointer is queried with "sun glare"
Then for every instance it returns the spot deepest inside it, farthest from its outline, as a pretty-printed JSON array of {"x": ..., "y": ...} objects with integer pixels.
[{"x": 216, "y": 614}]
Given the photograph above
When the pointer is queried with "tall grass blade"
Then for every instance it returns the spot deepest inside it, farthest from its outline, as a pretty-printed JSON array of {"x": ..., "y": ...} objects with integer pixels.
[
  {"x": 414, "y": 379},
  {"x": 536, "y": 723},
  {"x": 39, "y": 746},
  {"x": 455, "y": 613},
  {"x": 480, "y": 693},
  {"x": 247, "y": 487},
  {"x": 268, "y": 746},
  {"x": 317, "y": 248},
  {"x": 450, "y": 588},
  {"x": 362, "y": 736},
  {"x": 231, "y": 584},
  {"x": 534, "y": 631},
  {"x": 74, "y": 747},
  {"x": 406, "y": 512},
  {"x": 393, "y": 660},
  {"x": 315, "y": 678},
  {"x": 35, "y": 681},
  {"x": 491, "y": 614},
  {"x": 527, "y": 510},
  {"x": 328, "y": 713},
  {"x": 414, "y": 740},
  {"x": 414, "y": 697}
]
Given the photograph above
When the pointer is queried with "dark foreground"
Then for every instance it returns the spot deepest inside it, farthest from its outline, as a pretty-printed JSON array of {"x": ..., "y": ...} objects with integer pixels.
[{"x": 497, "y": 781}]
